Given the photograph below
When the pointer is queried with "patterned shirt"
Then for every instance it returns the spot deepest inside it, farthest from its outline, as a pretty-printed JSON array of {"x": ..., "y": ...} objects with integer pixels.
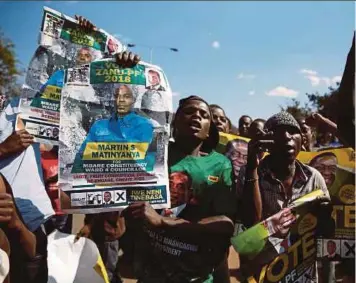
[{"x": 274, "y": 198}]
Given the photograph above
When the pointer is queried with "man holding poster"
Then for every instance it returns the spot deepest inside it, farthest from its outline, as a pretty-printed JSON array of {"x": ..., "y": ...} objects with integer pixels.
[{"x": 271, "y": 186}]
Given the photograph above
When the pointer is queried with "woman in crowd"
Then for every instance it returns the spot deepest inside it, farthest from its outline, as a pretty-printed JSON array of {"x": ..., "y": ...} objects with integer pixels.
[{"x": 188, "y": 246}]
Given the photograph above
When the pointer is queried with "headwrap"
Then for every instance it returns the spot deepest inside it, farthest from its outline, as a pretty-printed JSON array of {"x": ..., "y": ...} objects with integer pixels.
[{"x": 281, "y": 119}]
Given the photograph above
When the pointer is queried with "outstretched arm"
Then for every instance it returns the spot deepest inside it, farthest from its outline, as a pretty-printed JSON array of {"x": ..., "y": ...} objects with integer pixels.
[{"x": 214, "y": 225}]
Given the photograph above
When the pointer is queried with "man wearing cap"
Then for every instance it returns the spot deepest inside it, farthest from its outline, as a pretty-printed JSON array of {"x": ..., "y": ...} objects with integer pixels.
[{"x": 279, "y": 179}]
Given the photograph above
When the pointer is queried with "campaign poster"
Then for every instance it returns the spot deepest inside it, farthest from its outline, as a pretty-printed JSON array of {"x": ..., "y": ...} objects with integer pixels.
[
  {"x": 269, "y": 254},
  {"x": 337, "y": 166},
  {"x": 62, "y": 44},
  {"x": 111, "y": 151}
]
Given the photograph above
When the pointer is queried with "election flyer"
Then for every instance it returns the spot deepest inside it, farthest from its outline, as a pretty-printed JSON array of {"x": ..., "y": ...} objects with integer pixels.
[
  {"x": 337, "y": 166},
  {"x": 62, "y": 44},
  {"x": 113, "y": 152},
  {"x": 268, "y": 255}
]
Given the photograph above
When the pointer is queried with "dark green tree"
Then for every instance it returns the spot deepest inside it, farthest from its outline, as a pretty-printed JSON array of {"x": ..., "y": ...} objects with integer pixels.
[
  {"x": 9, "y": 70},
  {"x": 325, "y": 104},
  {"x": 295, "y": 108}
]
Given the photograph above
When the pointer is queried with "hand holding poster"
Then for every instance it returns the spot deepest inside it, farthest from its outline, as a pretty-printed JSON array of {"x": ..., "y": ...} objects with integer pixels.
[
  {"x": 292, "y": 258},
  {"x": 275, "y": 254},
  {"x": 63, "y": 43},
  {"x": 113, "y": 152},
  {"x": 337, "y": 166}
]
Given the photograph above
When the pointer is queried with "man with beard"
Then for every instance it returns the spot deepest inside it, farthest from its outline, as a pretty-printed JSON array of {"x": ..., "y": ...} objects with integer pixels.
[
  {"x": 244, "y": 124},
  {"x": 220, "y": 119},
  {"x": 276, "y": 181}
]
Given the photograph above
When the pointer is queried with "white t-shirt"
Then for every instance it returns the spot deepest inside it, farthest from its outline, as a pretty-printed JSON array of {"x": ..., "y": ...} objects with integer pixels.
[{"x": 23, "y": 171}]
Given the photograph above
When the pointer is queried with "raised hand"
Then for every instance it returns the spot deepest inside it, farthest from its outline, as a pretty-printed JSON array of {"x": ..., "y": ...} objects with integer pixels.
[
  {"x": 85, "y": 24},
  {"x": 260, "y": 144},
  {"x": 127, "y": 59}
]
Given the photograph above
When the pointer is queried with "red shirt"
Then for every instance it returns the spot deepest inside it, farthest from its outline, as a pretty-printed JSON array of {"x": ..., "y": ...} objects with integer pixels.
[{"x": 49, "y": 162}]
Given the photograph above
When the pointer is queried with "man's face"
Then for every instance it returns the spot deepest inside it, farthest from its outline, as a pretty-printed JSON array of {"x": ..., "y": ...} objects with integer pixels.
[
  {"x": 107, "y": 197},
  {"x": 287, "y": 143},
  {"x": 306, "y": 134},
  {"x": 194, "y": 120},
  {"x": 331, "y": 247},
  {"x": 55, "y": 132},
  {"x": 83, "y": 57},
  {"x": 256, "y": 129},
  {"x": 326, "y": 138},
  {"x": 327, "y": 166},
  {"x": 124, "y": 100},
  {"x": 220, "y": 120},
  {"x": 179, "y": 189},
  {"x": 244, "y": 124},
  {"x": 238, "y": 156},
  {"x": 154, "y": 78}
]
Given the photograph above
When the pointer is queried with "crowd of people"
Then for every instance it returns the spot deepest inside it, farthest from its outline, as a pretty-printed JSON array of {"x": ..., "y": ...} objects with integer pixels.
[{"x": 209, "y": 192}]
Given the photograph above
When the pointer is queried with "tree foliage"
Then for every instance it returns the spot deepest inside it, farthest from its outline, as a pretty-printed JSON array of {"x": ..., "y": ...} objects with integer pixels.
[
  {"x": 325, "y": 104},
  {"x": 9, "y": 70}
]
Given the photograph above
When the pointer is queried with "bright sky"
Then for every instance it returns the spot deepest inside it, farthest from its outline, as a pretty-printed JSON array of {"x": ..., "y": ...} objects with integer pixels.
[{"x": 245, "y": 56}]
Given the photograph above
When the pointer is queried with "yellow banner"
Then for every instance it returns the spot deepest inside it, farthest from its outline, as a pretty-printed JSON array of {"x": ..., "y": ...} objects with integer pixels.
[
  {"x": 225, "y": 138},
  {"x": 115, "y": 151},
  {"x": 52, "y": 92},
  {"x": 345, "y": 157}
]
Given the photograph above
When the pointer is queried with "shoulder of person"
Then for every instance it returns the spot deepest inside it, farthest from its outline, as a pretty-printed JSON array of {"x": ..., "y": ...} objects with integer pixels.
[
  {"x": 221, "y": 158},
  {"x": 317, "y": 178},
  {"x": 100, "y": 123},
  {"x": 314, "y": 173},
  {"x": 141, "y": 119}
]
